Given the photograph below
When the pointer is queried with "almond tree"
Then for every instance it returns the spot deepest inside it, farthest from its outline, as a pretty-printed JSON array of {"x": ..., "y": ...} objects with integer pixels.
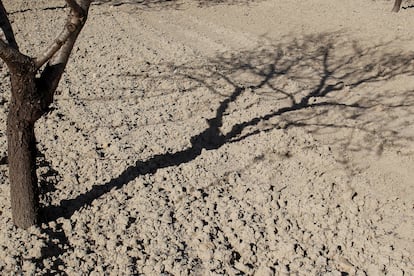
[{"x": 32, "y": 91}]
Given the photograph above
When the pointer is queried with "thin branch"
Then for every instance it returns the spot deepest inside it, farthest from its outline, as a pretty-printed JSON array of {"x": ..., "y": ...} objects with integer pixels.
[
  {"x": 58, "y": 54},
  {"x": 6, "y": 28},
  {"x": 76, "y": 19},
  {"x": 56, "y": 45},
  {"x": 75, "y": 8}
]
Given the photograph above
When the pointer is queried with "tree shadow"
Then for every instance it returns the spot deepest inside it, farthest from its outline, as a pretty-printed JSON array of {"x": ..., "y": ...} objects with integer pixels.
[
  {"x": 311, "y": 83},
  {"x": 48, "y": 177},
  {"x": 207, "y": 3},
  {"x": 171, "y": 4},
  {"x": 56, "y": 241},
  {"x": 142, "y": 4}
]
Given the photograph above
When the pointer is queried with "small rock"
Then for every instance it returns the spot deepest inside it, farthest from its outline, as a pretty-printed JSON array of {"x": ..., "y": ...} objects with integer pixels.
[{"x": 264, "y": 271}]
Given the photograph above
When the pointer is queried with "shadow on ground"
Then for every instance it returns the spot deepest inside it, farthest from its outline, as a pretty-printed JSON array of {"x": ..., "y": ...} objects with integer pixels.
[
  {"x": 311, "y": 83},
  {"x": 314, "y": 83},
  {"x": 171, "y": 4}
]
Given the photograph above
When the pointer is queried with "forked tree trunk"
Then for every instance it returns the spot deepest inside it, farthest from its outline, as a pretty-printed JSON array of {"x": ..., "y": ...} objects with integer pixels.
[
  {"x": 31, "y": 96},
  {"x": 25, "y": 109}
]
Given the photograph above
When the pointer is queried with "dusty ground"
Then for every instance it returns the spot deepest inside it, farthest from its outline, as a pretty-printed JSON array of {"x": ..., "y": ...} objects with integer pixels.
[{"x": 222, "y": 138}]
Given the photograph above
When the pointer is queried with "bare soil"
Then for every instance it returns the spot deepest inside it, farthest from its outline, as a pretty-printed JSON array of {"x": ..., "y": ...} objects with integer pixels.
[{"x": 222, "y": 138}]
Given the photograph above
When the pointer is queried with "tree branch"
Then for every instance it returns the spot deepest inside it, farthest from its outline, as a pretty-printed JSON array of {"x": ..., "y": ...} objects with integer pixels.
[
  {"x": 58, "y": 53},
  {"x": 75, "y": 7},
  {"x": 11, "y": 56},
  {"x": 6, "y": 52},
  {"x": 56, "y": 45},
  {"x": 9, "y": 50},
  {"x": 5, "y": 26},
  {"x": 74, "y": 23}
]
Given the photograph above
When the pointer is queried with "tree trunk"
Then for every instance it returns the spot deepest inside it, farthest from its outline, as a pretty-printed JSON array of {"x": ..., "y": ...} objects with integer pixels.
[
  {"x": 30, "y": 99},
  {"x": 25, "y": 109},
  {"x": 22, "y": 171}
]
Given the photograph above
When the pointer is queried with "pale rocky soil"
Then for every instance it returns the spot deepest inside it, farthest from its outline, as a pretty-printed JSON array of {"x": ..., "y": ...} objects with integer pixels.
[{"x": 222, "y": 138}]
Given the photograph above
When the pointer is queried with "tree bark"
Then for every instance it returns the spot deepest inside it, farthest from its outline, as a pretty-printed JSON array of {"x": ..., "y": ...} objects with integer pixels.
[
  {"x": 22, "y": 171},
  {"x": 25, "y": 109}
]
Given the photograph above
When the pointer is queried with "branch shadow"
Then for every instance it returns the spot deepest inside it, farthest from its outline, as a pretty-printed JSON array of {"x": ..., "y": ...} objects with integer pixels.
[
  {"x": 303, "y": 82},
  {"x": 408, "y": 7},
  {"x": 171, "y": 4},
  {"x": 208, "y": 3},
  {"x": 142, "y": 4}
]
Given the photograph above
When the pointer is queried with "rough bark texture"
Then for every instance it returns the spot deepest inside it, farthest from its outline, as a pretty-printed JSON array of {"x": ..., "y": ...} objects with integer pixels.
[
  {"x": 22, "y": 172},
  {"x": 25, "y": 109}
]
